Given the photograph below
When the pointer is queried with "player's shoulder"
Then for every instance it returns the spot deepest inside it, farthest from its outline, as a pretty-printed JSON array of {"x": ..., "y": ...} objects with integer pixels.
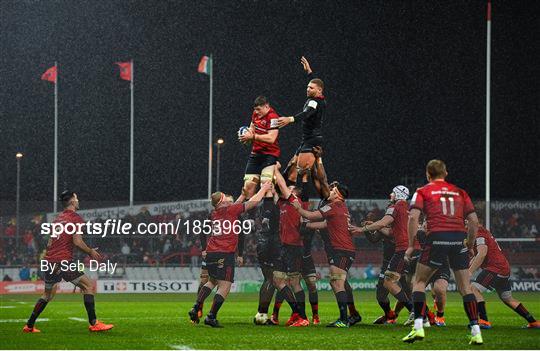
[
  {"x": 272, "y": 114},
  {"x": 313, "y": 103},
  {"x": 73, "y": 216}
]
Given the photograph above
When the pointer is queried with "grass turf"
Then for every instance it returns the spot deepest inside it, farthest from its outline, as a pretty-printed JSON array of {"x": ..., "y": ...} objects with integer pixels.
[{"x": 160, "y": 321}]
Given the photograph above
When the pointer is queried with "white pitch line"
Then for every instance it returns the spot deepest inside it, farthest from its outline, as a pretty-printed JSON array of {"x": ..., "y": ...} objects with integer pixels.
[
  {"x": 22, "y": 302},
  {"x": 22, "y": 320},
  {"x": 180, "y": 347},
  {"x": 7, "y": 306},
  {"x": 77, "y": 319}
]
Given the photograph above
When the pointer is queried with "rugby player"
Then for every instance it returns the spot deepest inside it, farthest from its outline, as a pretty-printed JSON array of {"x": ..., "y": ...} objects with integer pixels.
[
  {"x": 341, "y": 251},
  {"x": 396, "y": 216},
  {"x": 494, "y": 274},
  {"x": 312, "y": 118},
  {"x": 221, "y": 248},
  {"x": 61, "y": 249},
  {"x": 290, "y": 263},
  {"x": 203, "y": 276},
  {"x": 445, "y": 207}
]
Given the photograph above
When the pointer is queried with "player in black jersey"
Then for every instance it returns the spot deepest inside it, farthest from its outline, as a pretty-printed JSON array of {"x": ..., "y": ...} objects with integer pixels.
[{"x": 312, "y": 119}]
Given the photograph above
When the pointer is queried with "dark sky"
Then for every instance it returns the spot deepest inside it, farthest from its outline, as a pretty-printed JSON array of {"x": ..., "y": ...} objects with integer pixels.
[{"x": 405, "y": 83}]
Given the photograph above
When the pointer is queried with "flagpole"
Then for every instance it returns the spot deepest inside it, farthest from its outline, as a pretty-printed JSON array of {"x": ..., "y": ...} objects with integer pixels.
[
  {"x": 211, "y": 76},
  {"x": 55, "y": 199},
  {"x": 488, "y": 116},
  {"x": 131, "y": 140}
]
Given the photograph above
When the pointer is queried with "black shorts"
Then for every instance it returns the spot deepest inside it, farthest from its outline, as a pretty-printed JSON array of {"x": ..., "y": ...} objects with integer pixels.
[
  {"x": 60, "y": 272},
  {"x": 308, "y": 144},
  {"x": 341, "y": 258},
  {"x": 441, "y": 273},
  {"x": 493, "y": 281},
  {"x": 442, "y": 246},
  {"x": 268, "y": 250},
  {"x": 257, "y": 162},
  {"x": 397, "y": 263},
  {"x": 220, "y": 265},
  {"x": 308, "y": 267},
  {"x": 290, "y": 259},
  {"x": 411, "y": 267}
]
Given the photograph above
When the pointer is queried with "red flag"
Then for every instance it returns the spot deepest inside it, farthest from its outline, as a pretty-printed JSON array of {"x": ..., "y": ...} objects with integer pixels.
[
  {"x": 125, "y": 70},
  {"x": 50, "y": 75}
]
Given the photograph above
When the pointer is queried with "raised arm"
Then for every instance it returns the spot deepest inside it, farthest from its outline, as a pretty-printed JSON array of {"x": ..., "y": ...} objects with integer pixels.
[
  {"x": 320, "y": 179},
  {"x": 254, "y": 201}
]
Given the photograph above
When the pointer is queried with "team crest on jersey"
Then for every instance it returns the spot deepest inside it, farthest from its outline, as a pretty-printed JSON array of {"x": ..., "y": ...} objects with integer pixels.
[
  {"x": 325, "y": 208},
  {"x": 312, "y": 104}
]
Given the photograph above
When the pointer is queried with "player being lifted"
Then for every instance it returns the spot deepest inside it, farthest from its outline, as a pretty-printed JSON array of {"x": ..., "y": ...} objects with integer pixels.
[
  {"x": 61, "y": 249},
  {"x": 312, "y": 119},
  {"x": 263, "y": 133},
  {"x": 445, "y": 207},
  {"x": 221, "y": 248},
  {"x": 396, "y": 216},
  {"x": 494, "y": 274},
  {"x": 341, "y": 251}
]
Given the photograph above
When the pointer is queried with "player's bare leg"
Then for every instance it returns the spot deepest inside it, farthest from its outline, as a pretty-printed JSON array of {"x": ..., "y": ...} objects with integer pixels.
[
  {"x": 337, "y": 281},
  {"x": 391, "y": 283},
  {"x": 509, "y": 300},
  {"x": 48, "y": 295},
  {"x": 440, "y": 286}
]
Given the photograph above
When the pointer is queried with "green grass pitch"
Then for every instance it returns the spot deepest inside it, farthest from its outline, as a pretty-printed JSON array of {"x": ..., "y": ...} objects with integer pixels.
[{"x": 154, "y": 321}]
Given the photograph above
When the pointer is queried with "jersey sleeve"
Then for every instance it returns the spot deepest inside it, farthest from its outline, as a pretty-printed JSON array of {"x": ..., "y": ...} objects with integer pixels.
[
  {"x": 273, "y": 120},
  {"x": 390, "y": 211},
  {"x": 468, "y": 206},
  {"x": 417, "y": 200},
  {"x": 309, "y": 110},
  {"x": 327, "y": 211},
  {"x": 236, "y": 210}
]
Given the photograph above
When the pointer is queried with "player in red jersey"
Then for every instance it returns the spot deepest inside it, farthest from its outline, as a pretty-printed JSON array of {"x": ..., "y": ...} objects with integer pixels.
[
  {"x": 263, "y": 134},
  {"x": 58, "y": 257},
  {"x": 220, "y": 251},
  {"x": 494, "y": 274},
  {"x": 335, "y": 217},
  {"x": 445, "y": 207},
  {"x": 396, "y": 217},
  {"x": 290, "y": 262}
]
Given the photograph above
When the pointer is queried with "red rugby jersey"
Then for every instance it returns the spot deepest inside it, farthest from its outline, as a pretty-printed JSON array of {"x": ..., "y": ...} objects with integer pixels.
[
  {"x": 223, "y": 238},
  {"x": 337, "y": 221},
  {"x": 400, "y": 212},
  {"x": 494, "y": 261},
  {"x": 445, "y": 206},
  {"x": 61, "y": 247},
  {"x": 262, "y": 126},
  {"x": 289, "y": 223}
]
